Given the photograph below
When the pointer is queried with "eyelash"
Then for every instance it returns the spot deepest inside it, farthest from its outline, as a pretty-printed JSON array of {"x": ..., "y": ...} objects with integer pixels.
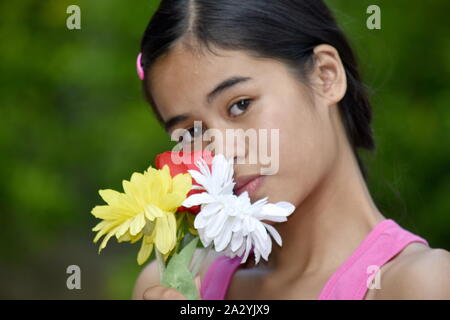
[
  {"x": 248, "y": 105},
  {"x": 249, "y": 102}
]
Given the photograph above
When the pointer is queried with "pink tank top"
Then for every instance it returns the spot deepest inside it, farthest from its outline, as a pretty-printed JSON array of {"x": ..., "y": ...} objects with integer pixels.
[{"x": 348, "y": 282}]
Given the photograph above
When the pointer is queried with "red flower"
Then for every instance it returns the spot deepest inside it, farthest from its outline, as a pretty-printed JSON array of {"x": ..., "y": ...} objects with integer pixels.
[{"x": 181, "y": 162}]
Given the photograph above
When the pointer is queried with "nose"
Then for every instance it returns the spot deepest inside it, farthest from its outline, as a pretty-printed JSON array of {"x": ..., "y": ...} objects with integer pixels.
[
  {"x": 234, "y": 147},
  {"x": 228, "y": 142}
]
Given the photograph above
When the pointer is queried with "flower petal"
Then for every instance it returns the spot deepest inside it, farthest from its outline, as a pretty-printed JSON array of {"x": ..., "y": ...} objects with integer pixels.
[
  {"x": 236, "y": 241},
  {"x": 211, "y": 209},
  {"x": 276, "y": 236},
  {"x": 145, "y": 251},
  {"x": 106, "y": 239},
  {"x": 152, "y": 212},
  {"x": 165, "y": 233},
  {"x": 123, "y": 228},
  {"x": 196, "y": 199},
  {"x": 198, "y": 177},
  {"x": 222, "y": 241},
  {"x": 248, "y": 246},
  {"x": 287, "y": 206},
  {"x": 137, "y": 224},
  {"x": 181, "y": 184},
  {"x": 216, "y": 225}
]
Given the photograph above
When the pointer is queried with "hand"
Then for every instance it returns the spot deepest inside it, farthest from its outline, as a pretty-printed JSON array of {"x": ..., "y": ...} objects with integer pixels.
[{"x": 159, "y": 292}]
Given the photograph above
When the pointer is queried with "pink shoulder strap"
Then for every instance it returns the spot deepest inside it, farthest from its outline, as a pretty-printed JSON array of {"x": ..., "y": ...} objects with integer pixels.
[
  {"x": 217, "y": 278},
  {"x": 349, "y": 282}
]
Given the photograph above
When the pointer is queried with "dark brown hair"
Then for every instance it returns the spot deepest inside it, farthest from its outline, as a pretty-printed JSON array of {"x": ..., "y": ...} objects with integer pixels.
[{"x": 286, "y": 30}]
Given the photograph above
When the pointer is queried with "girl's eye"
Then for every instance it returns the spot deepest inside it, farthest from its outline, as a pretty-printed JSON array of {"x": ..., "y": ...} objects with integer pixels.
[
  {"x": 239, "y": 108},
  {"x": 191, "y": 134}
]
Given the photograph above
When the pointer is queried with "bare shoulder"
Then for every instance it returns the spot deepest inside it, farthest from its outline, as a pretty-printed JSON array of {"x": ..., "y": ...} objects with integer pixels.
[
  {"x": 419, "y": 273},
  {"x": 149, "y": 276}
]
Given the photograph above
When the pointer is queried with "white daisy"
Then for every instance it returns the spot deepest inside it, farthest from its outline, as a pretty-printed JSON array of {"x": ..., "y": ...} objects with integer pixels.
[{"x": 232, "y": 222}]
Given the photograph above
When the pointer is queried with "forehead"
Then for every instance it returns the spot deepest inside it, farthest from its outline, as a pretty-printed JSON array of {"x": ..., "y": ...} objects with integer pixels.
[{"x": 183, "y": 77}]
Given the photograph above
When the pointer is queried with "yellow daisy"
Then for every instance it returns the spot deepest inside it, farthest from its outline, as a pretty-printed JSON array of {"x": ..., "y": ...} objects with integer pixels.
[{"x": 146, "y": 210}]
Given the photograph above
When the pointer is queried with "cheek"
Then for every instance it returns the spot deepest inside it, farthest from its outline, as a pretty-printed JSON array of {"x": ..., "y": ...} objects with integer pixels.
[{"x": 304, "y": 150}]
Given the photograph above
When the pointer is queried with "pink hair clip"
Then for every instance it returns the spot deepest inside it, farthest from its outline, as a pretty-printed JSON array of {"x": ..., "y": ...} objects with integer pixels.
[{"x": 140, "y": 71}]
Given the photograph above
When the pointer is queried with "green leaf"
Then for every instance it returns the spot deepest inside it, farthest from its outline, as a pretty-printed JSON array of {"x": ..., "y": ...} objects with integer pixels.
[{"x": 177, "y": 274}]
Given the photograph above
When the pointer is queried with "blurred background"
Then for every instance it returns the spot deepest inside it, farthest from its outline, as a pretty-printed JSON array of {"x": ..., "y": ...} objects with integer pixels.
[{"x": 73, "y": 120}]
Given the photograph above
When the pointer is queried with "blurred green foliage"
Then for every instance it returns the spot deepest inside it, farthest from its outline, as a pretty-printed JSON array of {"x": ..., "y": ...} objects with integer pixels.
[{"x": 74, "y": 120}]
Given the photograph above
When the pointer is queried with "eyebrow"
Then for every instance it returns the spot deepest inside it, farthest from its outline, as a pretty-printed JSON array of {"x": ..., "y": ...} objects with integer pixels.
[
  {"x": 220, "y": 88},
  {"x": 224, "y": 85},
  {"x": 174, "y": 120}
]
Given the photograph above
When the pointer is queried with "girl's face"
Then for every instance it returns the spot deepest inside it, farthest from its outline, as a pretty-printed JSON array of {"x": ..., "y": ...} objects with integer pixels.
[{"x": 268, "y": 96}]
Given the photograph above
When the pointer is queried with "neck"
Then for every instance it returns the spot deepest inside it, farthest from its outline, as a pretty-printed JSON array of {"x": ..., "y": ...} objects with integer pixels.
[{"x": 328, "y": 225}]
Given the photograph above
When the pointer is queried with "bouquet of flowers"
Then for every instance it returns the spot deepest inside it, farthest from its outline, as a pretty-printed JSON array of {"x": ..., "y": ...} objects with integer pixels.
[{"x": 188, "y": 197}]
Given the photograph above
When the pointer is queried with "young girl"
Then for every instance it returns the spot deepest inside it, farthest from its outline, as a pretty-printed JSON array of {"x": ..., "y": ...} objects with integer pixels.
[{"x": 286, "y": 65}]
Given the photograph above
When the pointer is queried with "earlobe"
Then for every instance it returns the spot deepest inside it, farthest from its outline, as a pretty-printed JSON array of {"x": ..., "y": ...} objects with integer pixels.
[{"x": 329, "y": 73}]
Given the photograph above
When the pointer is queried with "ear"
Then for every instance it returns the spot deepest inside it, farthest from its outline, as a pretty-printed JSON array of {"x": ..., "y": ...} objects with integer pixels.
[{"x": 328, "y": 76}]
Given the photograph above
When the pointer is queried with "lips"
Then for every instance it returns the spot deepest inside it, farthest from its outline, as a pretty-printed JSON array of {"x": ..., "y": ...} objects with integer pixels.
[{"x": 247, "y": 183}]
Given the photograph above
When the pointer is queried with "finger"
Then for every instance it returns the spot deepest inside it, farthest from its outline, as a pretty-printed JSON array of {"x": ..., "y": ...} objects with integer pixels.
[{"x": 162, "y": 293}]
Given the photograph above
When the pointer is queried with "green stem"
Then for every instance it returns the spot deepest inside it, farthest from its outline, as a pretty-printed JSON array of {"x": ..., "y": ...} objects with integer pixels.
[
  {"x": 161, "y": 265},
  {"x": 197, "y": 263}
]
